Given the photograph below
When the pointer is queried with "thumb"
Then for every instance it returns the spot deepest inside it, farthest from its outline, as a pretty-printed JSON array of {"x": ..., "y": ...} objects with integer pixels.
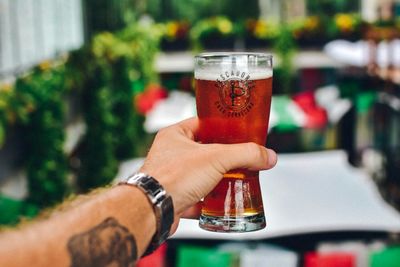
[{"x": 246, "y": 155}]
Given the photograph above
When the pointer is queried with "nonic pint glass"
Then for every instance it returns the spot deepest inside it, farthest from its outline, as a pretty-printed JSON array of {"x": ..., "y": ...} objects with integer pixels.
[{"x": 233, "y": 98}]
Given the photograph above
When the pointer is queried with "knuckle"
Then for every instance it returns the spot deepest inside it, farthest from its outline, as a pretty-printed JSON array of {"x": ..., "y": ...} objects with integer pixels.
[
  {"x": 220, "y": 163},
  {"x": 255, "y": 151},
  {"x": 187, "y": 132}
]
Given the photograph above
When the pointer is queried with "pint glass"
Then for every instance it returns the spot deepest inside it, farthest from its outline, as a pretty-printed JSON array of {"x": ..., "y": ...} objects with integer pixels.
[{"x": 233, "y": 98}]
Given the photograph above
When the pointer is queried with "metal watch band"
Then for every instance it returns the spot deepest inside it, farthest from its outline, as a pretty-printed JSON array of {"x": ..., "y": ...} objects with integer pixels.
[{"x": 162, "y": 205}]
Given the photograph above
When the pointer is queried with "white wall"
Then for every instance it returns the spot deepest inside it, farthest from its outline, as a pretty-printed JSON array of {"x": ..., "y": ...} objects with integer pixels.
[{"x": 35, "y": 30}]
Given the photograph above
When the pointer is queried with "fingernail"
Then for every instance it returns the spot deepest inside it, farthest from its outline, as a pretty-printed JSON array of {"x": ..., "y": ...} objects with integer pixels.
[{"x": 272, "y": 157}]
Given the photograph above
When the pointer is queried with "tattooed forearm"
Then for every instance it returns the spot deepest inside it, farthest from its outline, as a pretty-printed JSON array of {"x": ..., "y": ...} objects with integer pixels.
[{"x": 106, "y": 244}]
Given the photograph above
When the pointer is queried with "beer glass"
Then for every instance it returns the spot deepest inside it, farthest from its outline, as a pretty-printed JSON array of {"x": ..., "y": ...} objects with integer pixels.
[{"x": 233, "y": 98}]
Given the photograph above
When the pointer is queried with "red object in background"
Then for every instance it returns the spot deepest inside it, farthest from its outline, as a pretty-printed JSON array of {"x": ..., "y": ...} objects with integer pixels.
[
  {"x": 155, "y": 259},
  {"x": 311, "y": 78},
  {"x": 316, "y": 116},
  {"x": 305, "y": 100},
  {"x": 338, "y": 259},
  {"x": 146, "y": 100}
]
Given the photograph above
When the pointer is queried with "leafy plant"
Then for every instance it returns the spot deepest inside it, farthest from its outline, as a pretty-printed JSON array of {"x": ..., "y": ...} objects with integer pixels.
[
  {"x": 174, "y": 30},
  {"x": 346, "y": 26},
  {"x": 285, "y": 49},
  {"x": 262, "y": 29},
  {"x": 44, "y": 129},
  {"x": 213, "y": 29},
  {"x": 108, "y": 15},
  {"x": 99, "y": 164},
  {"x": 120, "y": 64},
  {"x": 106, "y": 75}
]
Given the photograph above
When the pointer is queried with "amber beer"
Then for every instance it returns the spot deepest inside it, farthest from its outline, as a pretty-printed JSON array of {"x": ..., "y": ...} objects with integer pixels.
[{"x": 233, "y": 97}]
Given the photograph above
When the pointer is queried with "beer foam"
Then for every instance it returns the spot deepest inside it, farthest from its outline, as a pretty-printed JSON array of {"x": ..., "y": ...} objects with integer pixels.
[{"x": 214, "y": 74}]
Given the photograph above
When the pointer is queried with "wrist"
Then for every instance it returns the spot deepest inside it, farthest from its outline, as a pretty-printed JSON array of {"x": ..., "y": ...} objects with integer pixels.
[
  {"x": 167, "y": 179},
  {"x": 131, "y": 208},
  {"x": 161, "y": 203}
]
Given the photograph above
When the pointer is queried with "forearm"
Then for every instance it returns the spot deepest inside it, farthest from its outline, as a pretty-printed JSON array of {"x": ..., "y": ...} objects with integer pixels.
[{"x": 115, "y": 225}]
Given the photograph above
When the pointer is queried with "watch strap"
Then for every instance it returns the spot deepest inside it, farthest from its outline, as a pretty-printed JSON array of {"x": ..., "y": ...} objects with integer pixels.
[{"x": 161, "y": 203}]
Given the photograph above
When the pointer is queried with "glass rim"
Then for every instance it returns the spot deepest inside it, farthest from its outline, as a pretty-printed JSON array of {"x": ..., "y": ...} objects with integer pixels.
[{"x": 233, "y": 54}]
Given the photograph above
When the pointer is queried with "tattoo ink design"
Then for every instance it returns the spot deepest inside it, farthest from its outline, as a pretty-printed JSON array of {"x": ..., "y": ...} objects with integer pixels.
[{"x": 107, "y": 244}]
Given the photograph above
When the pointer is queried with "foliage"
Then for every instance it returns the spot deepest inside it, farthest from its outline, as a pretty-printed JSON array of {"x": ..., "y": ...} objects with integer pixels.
[
  {"x": 98, "y": 160},
  {"x": 285, "y": 49},
  {"x": 321, "y": 29},
  {"x": 213, "y": 28},
  {"x": 12, "y": 210},
  {"x": 121, "y": 63},
  {"x": 175, "y": 30},
  {"x": 311, "y": 29},
  {"x": 331, "y": 7},
  {"x": 44, "y": 129},
  {"x": 347, "y": 22},
  {"x": 347, "y": 26},
  {"x": 262, "y": 29},
  {"x": 108, "y": 15},
  {"x": 106, "y": 75},
  {"x": 189, "y": 10},
  {"x": 14, "y": 107},
  {"x": 214, "y": 25},
  {"x": 143, "y": 42},
  {"x": 174, "y": 35},
  {"x": 195, "y": 10},
  {"x": 240, "y": 10}
]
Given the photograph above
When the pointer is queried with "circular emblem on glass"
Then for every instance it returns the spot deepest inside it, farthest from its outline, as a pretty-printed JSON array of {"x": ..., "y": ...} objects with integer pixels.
[
  {"x": 234, "y": 89},
  {"x": 234, "y": 94}
]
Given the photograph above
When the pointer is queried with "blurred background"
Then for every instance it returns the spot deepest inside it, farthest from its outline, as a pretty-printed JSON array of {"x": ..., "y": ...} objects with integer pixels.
[{"x": 86, "y": 84}]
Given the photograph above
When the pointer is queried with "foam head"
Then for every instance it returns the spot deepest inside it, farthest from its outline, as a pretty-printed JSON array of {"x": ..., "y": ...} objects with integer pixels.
[{"x": 230, "y": 65}]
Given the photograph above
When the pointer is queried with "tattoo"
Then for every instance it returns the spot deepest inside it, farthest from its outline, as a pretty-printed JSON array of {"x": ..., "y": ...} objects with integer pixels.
[{"x": 106, "y": 244}]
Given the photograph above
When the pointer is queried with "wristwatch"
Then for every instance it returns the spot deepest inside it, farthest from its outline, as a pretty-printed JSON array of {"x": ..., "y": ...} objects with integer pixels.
[{"x": 162, "y": 205}]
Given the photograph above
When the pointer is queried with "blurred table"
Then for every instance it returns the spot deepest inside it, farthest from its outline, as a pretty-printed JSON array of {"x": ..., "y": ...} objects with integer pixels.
[{"x": 313, "y": 193}]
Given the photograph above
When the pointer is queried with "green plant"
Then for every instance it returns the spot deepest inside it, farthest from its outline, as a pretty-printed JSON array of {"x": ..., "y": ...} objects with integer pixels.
[
  {"x": 346, "y": 26},
  {"x": 99, "y": 164},
  {"x": 106, "y": 75},
  {"x": 191, "y": 10},
  {"x": 308, "y": 28},
  {"x": 126, "y": 126},
  {"x": 213, "y": 28},
  {"x": 331, "y": 7},
  {"x": 119, "y": 64},
  {"x": 46, "y": 164},
  {"x": 174, "y": 30},
  {"x": 143, "y": 45},
  {"x": 285, "y": 49},
  {"x": 12, "y": 210},
  {"x": 107, "y": 15},
  {"x": 262, "y": 29}
]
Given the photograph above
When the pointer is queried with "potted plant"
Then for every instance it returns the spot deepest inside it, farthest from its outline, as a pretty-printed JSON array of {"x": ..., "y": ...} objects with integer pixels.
[
  {"x": 310, "y": 32},
  {"x": 214, "y": 33},
  {"x": 260, "y": 33},
  {"x": 347, "y": 26},
  {"x": 175, "y": 36}
]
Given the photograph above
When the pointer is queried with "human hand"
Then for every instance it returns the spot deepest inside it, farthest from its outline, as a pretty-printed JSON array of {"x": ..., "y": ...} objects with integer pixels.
[{"x": 189, "y": 170}]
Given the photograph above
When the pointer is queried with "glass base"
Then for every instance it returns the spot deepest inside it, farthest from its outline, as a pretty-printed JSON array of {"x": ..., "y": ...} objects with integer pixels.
[{"x": 232, "y": 224}]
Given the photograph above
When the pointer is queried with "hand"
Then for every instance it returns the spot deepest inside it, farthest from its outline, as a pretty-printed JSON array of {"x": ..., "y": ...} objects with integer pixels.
[{"x": 189, "y": 170}]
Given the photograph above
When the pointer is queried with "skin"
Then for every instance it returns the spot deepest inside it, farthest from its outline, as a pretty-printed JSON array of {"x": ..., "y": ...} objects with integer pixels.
[{"x": 114, "y": 226}]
